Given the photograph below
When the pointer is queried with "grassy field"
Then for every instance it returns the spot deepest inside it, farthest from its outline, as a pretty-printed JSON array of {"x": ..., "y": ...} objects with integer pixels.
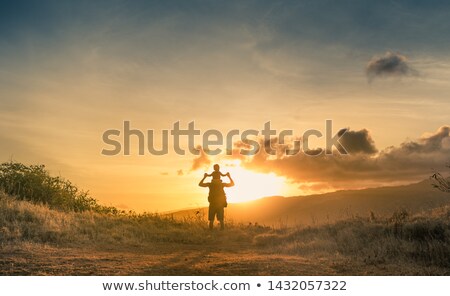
[{"x": 37, "y": 240}]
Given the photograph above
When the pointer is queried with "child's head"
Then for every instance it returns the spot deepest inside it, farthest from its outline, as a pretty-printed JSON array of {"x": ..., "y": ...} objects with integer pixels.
[{"x": 216, "y": 167}]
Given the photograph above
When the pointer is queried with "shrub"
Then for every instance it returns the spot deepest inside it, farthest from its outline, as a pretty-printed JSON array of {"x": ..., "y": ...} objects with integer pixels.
[{"x": 35, "y": 184}]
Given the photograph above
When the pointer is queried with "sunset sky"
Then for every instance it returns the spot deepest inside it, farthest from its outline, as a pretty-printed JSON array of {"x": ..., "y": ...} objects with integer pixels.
[{"x": 70, "y": 71}]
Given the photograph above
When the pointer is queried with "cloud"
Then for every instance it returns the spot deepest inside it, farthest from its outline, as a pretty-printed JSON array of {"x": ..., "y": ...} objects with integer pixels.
[
  {"x": 389, "y": 65},
  {"x": 201, "y": 161},
  {"x": 353, "y": 142},
  {"x": 358, "y": 142},
  {"x": 180, "y": 172},
  {"x": 363, "y": 166},
  {"x": 429, "y": 143}
]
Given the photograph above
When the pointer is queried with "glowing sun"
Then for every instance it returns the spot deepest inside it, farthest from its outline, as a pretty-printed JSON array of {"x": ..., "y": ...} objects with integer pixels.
[{"x": 250, "y": 185}]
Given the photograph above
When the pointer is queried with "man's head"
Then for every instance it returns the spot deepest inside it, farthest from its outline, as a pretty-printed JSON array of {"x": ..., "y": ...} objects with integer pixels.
[{"x": 216, "y": 167}]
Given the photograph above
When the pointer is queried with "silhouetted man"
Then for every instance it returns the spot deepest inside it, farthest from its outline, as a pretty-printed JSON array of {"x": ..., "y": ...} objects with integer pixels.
[{"x": 216, "y": 198}]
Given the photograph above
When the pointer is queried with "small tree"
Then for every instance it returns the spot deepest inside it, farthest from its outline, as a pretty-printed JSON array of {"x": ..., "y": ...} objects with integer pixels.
[{"x": 441, "y": 182}]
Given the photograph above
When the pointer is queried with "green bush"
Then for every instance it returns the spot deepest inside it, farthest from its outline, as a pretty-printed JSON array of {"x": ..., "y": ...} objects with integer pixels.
[{"x": 35, "y": 184}]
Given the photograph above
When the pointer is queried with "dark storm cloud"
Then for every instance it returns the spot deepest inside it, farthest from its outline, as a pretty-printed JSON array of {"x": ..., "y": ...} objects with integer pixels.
[{"x": 389, "y": 65}]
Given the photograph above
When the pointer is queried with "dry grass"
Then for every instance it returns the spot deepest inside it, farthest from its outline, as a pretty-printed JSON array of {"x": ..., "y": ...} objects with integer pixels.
[
  {"x": 24, "y": 221},
  {"x": 423, "y": 239},
  {"x": 402, "y": 244}
]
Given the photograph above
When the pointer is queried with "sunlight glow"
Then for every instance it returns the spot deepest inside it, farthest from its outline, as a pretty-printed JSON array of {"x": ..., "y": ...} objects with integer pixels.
[{"x": 251, "y": 185}]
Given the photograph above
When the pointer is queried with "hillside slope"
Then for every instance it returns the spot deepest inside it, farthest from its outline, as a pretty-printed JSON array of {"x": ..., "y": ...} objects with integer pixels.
[
  {"x": 334, "y": 206},
  {"x": 36, "y": 240}
]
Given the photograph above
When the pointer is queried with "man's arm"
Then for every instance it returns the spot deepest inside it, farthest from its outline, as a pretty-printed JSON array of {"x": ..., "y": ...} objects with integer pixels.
[
  {"x": 231, "y": 184},
  {"x": 202, "y": 183}
]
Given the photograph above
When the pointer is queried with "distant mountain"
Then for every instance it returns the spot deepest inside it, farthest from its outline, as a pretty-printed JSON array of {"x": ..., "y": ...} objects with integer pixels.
[{"x": 328, "y": 207}]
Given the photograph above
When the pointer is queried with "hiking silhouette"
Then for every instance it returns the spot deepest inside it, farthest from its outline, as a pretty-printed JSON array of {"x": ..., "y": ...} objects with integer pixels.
[{"x": 217, "y": 198}]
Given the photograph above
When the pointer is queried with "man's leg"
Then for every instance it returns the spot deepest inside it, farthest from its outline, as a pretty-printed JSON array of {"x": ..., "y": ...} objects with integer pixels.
[
  {"x": 211, "y": 214},
  {"x": 220, "y": 217}
]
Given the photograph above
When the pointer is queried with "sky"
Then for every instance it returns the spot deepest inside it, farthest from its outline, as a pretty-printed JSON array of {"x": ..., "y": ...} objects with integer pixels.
[{"x": 70, "y": 70}]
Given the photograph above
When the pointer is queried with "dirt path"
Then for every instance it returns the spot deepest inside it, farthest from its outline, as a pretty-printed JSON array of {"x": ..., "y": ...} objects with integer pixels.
[
  {"x": 162, "y": 259},
  {"x": 183, "y": 259}
]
